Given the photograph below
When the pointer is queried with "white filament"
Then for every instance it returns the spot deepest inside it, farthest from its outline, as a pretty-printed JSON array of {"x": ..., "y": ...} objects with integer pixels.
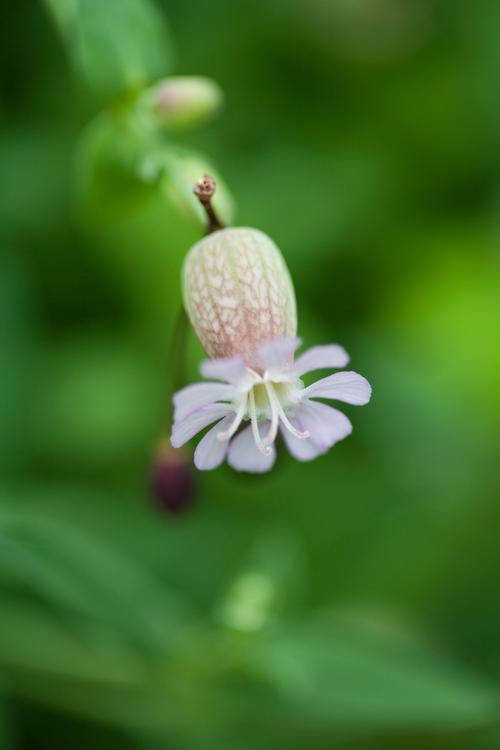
[
  {"x": 265, "y": 449},
  {"x": 227, "y": 434},
  {"x": 273, "y": 430},
  {"x": 288, "y": 424},
  {"x": 277, "y": 413}
]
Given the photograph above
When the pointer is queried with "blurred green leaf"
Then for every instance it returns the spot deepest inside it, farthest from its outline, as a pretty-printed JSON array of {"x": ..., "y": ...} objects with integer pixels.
[
  {"x": 117, "y": 45},
  {"x": 109, "y": 182},
  {"x": 35, "y": 641},
  {"x": 73, "y": 569},
  {"x": 57, "y": 663},
  {"x": 334, "y": 674},
  {"x": 122, "y": 161}
]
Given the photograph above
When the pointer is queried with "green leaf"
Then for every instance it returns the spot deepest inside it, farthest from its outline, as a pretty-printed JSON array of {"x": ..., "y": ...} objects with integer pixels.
[
  {"x": 49, "y": 660},
  {"x": 109, "y": 183},
  {"x": 74, "y": 570},
  {"x": 123, "y": 161},
  {"x": 335, "y": 674},
  {"x": 35, "y": 641},
  {"x": 116, "y": 45}
]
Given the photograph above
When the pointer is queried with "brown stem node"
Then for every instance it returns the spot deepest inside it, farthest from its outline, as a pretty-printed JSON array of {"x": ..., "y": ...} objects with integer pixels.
[{"x": 204, "y": 190}]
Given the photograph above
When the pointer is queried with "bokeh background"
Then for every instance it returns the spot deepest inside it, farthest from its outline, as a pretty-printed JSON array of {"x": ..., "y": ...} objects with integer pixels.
[{"x": 351, "y": 602}]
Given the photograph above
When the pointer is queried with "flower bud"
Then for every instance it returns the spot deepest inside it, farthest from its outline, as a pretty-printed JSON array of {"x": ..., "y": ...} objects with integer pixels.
[
  {"x": 185, "y": 101},
  {"x": 172, "y": 483},
  {"x": 238, "y": 293}
]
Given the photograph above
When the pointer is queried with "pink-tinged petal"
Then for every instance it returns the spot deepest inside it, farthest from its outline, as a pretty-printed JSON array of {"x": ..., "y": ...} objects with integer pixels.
[
  {"x": 185, "y": 429},
  {"x": 277, "y": 355},
  {"x": 302, "y": 450},
  {"x": 230, "y": 369},
  {"x": 197, "y": 395},
  {"x": 326, "y": 425},
  {"x": 342, "y": 386},
  {"x": 320, "y": 357},
  {"x": 210, "y": 451},
  {"x": 245, "y": 456}
]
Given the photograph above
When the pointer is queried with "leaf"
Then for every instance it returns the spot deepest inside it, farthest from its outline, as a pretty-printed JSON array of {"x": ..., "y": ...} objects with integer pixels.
[
  {"x": 122, "y": 162},
  {"x": 116, "y": 45},
  {"x": 73, "y": 569},
  {"x": 109, "y": 183},
  {"x": 330, "y": 673},
  {"x": 57, "y": 664}
]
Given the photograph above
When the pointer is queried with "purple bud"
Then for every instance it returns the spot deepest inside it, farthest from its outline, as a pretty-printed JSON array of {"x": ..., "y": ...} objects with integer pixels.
[{"x": 172, "y": 482}]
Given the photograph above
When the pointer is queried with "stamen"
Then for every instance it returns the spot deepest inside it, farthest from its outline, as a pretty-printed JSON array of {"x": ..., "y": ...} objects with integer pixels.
[
  {"x": 265, "y": 449},
  {"x": 227, "y": 434},
  {"x": 289, "y": 425},
  {"x": 273, "y": 430}
]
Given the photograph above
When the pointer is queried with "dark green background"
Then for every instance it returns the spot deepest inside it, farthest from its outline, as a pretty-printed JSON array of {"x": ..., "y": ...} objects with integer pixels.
[{"x": 351, "y": 602}]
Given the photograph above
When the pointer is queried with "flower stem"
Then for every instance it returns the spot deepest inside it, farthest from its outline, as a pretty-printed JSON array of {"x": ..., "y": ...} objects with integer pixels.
[{"x": 204, "y": 190}]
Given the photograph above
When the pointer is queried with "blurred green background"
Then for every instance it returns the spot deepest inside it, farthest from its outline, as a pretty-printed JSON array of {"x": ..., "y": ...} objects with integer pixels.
[{"x": 352, "y": 602}]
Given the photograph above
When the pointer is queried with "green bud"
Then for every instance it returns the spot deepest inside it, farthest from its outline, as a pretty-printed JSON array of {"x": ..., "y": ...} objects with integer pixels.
[{"x": 184, "y": 101}]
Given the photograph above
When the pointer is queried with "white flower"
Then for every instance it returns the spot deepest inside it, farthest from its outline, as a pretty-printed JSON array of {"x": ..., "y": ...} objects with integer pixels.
[
  {"x": 240, "y": 300},
  {"x": 272, "y": 401}
]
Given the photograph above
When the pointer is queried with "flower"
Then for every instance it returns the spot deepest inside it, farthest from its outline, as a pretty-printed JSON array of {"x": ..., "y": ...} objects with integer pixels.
[
  {"x": 273, "y": 399},
  {"x": 240, "y": 300}
]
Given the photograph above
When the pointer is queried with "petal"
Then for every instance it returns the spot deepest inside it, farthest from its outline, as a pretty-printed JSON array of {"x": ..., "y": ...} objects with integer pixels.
[
  {"x": 326, "y": 425},
  {"x": 210, "y": 451},
  {"x": 197, "y": 395},
  {"x": 230, "y": 369},
  {"x": 302, "y": 450},
  {"x": 183, "y": 430},
  {"x": 277, "y": 355},
  {"x": 343, "y": 386},
  {"x": 245, "y": 456},
  {"x": 319, "y": 357}
]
